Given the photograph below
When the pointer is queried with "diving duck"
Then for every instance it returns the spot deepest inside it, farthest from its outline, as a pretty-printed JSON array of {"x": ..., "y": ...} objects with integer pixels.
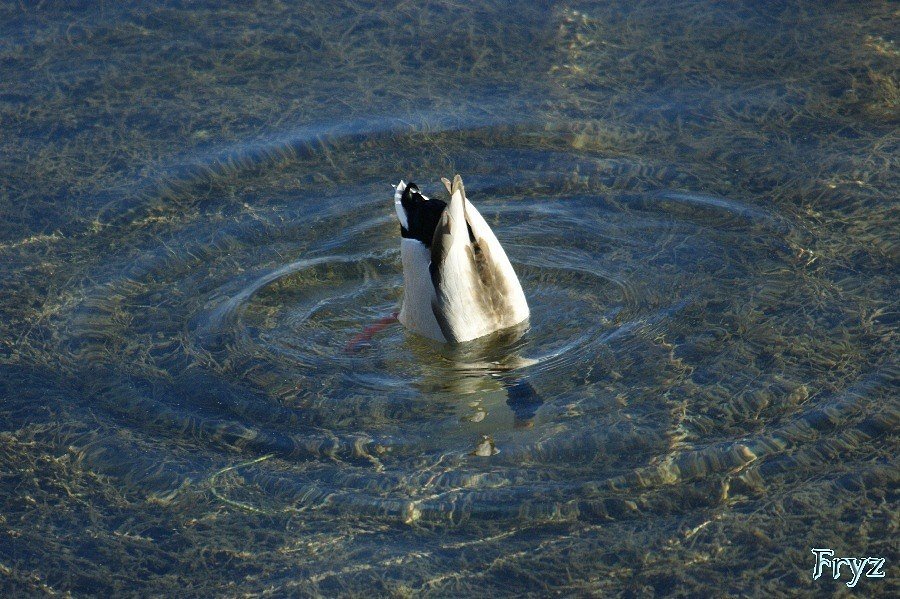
[{"x": 458, "y": 284}]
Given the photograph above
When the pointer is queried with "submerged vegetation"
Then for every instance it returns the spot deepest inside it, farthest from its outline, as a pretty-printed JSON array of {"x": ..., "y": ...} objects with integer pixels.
[{"x": 699, "y": 197}]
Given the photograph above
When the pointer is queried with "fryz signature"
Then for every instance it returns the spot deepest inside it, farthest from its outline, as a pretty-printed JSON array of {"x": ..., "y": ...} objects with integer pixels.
[{"x": 825, "y": 559}]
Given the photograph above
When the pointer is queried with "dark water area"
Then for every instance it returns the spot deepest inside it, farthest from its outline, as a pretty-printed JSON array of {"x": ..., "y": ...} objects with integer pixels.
[{"x": 196, "y": 218}]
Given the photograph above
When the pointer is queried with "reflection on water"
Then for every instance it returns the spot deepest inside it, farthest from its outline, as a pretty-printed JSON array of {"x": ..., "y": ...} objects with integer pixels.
[{"x": 197, "y": 220}]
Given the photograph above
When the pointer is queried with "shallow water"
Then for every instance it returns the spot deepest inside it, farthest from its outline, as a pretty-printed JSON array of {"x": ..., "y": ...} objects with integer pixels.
[{"x": 699, "y": 199}]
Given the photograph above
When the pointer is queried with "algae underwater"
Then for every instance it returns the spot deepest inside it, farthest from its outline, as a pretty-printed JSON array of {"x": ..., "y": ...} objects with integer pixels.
[{"x": 700, "y": 201}]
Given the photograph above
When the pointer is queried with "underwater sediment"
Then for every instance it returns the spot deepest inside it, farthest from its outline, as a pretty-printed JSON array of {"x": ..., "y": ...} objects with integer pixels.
[{"x": 699, "y": 199}]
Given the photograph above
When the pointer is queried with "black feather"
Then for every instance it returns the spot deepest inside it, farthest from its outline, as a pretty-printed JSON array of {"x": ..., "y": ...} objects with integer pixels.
[{"x": 422, "y": 215}]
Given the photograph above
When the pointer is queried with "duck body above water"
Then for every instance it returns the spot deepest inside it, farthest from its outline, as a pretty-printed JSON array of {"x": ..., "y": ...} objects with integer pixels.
[{"x": 458, "y": 283}]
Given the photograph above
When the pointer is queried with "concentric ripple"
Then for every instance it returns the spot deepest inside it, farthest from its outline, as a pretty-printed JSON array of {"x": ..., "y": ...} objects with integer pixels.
[{"x": 230, "y": 332}]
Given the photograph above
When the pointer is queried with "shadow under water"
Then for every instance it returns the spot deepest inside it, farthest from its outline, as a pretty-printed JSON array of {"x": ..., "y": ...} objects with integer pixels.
[{"x": 699, "y": 199}]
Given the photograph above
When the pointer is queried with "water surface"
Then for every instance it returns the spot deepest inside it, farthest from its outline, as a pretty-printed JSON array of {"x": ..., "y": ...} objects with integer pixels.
[{"x": 700, "y": 201}]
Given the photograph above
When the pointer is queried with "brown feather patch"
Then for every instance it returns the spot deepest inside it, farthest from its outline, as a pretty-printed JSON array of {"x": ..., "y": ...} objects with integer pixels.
[{"x": 492, "y": 292}]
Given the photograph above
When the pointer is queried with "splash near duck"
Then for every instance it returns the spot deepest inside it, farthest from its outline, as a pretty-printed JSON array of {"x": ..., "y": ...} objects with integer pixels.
[{"x": 458, "y": 283}]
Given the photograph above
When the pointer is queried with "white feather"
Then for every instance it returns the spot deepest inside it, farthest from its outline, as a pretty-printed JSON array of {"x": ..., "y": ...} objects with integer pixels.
[
  {"x": 418, "y": 291},
  {"x": 460, "y": 283},
  {"x": 398, "y": 205},
  {"x": 482, "y": 231}
]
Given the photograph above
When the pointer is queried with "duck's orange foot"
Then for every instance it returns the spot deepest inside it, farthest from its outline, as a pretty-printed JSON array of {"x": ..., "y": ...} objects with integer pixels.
[{"x": 365, "y": 337}]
